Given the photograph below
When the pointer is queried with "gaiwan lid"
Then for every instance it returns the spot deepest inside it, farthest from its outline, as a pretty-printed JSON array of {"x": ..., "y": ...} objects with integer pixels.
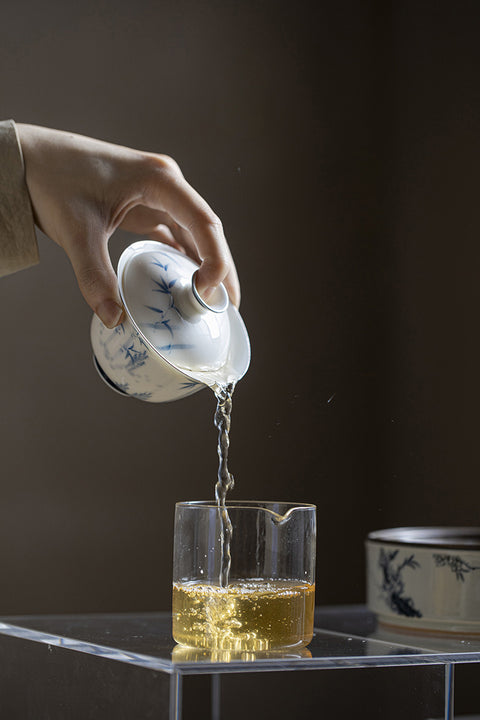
[{"x": 207, "y": 341}]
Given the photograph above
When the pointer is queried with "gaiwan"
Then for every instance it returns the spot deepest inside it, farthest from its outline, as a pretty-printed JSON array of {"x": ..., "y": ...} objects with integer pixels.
[
  {"x": 425, "y": 578},
  {"x": 172, "y": 343}
]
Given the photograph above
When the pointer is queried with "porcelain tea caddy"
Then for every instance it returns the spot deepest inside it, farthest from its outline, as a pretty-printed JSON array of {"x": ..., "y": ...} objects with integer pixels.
[
  {"x": 425, "y": 579},
  {"x": 172, "y": 343}
]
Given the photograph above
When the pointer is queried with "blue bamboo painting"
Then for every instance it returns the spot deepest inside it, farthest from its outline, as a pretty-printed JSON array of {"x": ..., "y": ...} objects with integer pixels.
[
  {"x": 130, "y": 353},
  {"x": 189, "y": 384},
  {"x": 136, "y": 358}
]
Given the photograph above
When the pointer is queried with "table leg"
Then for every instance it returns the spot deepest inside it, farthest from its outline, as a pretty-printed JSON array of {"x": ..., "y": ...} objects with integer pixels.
[
  {"x": 175, "y": 696},
  {"x": 449, "y": 691},
  {"x": 216, "y": 696}
]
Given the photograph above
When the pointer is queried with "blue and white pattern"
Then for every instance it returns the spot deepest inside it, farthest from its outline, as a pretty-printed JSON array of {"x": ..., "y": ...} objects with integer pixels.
[
  {"x": 129, "y": 365},
  {"x": 175, "y": 345},
  {"x": 414, "y": 582},
  {"x": 169, "y": 259},
  {"x": 190, "y": 384},
  {"x": 159, "y": 293},
  {"x": 393, "y": 585},
  {"x": 135, "y": 358},
  {"x": 456, "y": 564},
  {"x": 165, "y": 307},
  {"x": 142, "y": 396},
  {"x": 127, "y": 362}
]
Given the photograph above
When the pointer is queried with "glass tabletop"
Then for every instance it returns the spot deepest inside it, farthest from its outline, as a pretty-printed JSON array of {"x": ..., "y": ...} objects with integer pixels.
[{"x": 345, "y": 637}]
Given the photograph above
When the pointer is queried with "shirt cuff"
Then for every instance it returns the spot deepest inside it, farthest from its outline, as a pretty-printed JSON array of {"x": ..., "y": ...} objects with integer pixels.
[{"x": 18, "y": 243}]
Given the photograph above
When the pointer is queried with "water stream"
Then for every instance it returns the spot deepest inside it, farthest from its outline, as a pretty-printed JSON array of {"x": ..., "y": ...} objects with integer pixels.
[{"x": 225, "y": 480}]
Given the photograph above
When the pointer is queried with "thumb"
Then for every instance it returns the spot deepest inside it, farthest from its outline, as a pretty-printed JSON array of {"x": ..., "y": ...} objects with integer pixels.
[{"x": 96, "y": 279}]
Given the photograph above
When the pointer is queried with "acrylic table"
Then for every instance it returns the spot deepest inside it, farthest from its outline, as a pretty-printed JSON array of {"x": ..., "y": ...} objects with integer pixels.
[{"x": 127, "y": 666}]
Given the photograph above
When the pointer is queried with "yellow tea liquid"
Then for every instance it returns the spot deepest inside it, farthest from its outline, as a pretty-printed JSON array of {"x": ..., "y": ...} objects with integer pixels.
[{"x": 246, "y": 615}]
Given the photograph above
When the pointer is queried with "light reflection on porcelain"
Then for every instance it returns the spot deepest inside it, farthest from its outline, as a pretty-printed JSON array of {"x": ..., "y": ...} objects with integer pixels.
[{"x": 171, "y": 345}]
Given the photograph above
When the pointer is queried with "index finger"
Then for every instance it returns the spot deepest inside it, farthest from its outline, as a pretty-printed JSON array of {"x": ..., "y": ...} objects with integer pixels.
[{"x": 167, "y": 190}]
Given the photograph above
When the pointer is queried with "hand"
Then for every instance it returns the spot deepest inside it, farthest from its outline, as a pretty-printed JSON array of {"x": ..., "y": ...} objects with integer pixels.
[{"x": 83, "y": 189}]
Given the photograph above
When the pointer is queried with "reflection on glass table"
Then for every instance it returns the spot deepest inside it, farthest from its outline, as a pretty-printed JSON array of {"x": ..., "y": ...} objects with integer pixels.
[
  {"x": 116, "y": 666},
  {"x": 345, "y": 637}
]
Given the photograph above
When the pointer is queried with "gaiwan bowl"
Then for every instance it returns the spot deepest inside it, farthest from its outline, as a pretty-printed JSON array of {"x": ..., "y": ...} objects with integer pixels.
[
  {"x": 425, "y": 578},
  {"x": 172, "y": 343}
]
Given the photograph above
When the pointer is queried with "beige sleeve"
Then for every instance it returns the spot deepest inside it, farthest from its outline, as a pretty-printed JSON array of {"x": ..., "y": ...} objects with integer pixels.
[{"x": 18, "y": 244}]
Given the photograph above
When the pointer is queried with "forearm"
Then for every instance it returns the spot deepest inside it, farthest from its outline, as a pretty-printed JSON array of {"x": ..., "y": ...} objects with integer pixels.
[{"x": 18, "y": 245}]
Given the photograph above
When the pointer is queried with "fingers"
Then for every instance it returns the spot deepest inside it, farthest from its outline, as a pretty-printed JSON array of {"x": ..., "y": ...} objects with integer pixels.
[
  {"x": 162, "y": 234},
  {"x": 167, "y": 191},
  {"x": 159, "y": 225},
  {"x": 232, "y": 284},
  {"x": 96, "y": 277},
  {"x": 183, "y": 241}
]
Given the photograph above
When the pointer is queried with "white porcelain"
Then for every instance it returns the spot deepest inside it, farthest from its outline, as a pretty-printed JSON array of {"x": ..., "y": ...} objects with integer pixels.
[
  {"x": 172, "y": 343},
  {"x": 425, "y": 578}
]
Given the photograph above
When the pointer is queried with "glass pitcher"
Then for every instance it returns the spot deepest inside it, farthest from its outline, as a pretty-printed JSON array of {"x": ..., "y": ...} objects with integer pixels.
[{"x": 268, "y": 601}]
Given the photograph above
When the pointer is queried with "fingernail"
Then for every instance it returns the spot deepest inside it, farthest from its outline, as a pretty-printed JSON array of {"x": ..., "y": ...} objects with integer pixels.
[{"x": 110, "y": 313}]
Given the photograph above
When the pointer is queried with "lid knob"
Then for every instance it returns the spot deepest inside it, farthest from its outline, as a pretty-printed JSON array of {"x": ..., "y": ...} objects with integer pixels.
[
  {"x": 218, "y": 301},
  {"x": 190, "y": 304}
]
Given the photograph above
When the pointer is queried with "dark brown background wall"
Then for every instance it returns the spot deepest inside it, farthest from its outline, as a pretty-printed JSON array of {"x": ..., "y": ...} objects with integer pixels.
[{"x": 340, "y": 145}]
